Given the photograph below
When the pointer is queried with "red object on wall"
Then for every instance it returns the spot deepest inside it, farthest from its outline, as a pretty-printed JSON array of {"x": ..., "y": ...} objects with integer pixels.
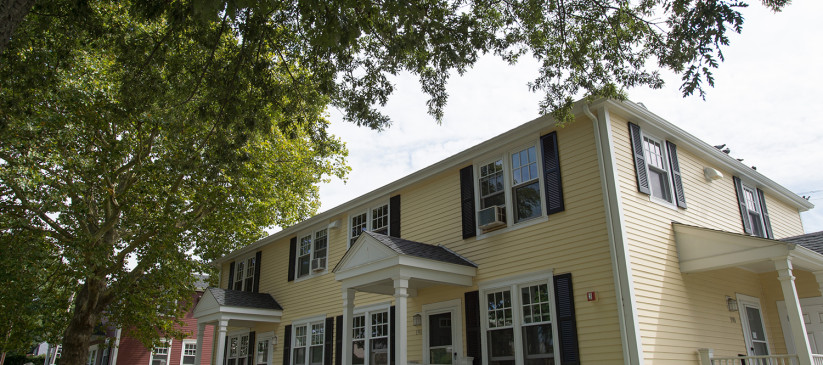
[{"x": 591, "y": 296}]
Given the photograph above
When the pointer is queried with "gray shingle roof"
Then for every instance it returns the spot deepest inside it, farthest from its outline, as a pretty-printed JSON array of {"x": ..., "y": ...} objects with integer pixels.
[
  {"x": 812, "y": 241},
  {"x": 420, "y": 249},
  {"x": 237, "y": 298}
]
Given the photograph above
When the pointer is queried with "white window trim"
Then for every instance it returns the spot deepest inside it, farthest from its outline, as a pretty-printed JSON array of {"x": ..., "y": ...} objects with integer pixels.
[
  {"x": 93, "y": 349},
  {"x": 183, "y": 350},
  {"x": 368, "y": 211},
  {"x": 513, "y": 284},
  {"x": 665, "y": 150},
  {"x": 313, "y": 233},
  {"x": 168, "y": 355},
  {"x": 308, "y": 322},
  {"x": 245, "y": 259},
  {"x": 505, "y": 154},
  {"x": 238, "y": 334}
]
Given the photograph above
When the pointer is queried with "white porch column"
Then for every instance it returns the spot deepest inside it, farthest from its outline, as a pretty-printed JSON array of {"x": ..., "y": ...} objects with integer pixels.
[
  {"x": 401, "y": 315},
  {"x": 221, "y": 342},
  {"x": 798, "y": 328},
  {"x": 201, "y": 331},
  {"x": 348, "y": 316}
]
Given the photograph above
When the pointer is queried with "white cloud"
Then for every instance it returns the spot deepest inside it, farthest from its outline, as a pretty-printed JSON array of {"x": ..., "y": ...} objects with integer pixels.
[{"x": 766, "y": 107}]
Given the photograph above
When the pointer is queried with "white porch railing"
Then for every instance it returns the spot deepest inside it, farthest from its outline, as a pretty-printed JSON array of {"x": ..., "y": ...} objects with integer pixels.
[
  {"x": 818, "y": 359},
  {"x": 756, "y": 360}
]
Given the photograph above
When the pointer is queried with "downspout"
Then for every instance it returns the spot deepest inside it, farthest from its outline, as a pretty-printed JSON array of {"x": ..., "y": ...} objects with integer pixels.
[{"x": 626, "y": 305}]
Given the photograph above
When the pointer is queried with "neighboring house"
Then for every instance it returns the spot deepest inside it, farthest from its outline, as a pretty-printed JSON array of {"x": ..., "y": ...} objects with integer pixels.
[
  {"x": 116, "y": 347},
  {"x": 619, "y": 238}
]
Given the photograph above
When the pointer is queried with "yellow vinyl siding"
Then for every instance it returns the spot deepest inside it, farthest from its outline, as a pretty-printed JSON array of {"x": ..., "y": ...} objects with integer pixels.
[
  {"x": 573, "y": 241},
  {"x": 679, "y": 313}
]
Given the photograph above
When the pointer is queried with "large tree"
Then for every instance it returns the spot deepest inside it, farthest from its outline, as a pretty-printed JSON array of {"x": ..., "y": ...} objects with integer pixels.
[{"x": 134, "y": 134}]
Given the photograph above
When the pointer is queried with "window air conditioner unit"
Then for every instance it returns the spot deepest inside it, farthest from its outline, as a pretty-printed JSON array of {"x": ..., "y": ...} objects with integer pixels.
[
  {"x": 491, "y": 217},
  {"x": 318, "y": 264}
]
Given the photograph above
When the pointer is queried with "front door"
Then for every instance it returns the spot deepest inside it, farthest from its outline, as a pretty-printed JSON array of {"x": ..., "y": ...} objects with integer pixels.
[
  {"x": 442, "y": 333},
  {"x": 813, "y": 320},
  {"x": 754, "y": 331}
]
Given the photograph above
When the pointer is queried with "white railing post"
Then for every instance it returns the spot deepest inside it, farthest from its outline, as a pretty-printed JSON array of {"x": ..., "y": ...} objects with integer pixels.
[{"x": 705, "y": 356}]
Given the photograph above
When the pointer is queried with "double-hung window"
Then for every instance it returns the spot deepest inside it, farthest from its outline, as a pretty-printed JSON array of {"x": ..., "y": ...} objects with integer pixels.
[
  {"x": 238, "y": 349},
  {"x": 370, "y": 338},
  {"x": 308, "y": 343},
  {"x": 519, "y": 327},
  {"x": 244, "y": 273},
  {"x": 753, "y": 209},
  {"x": 160, "y": 353},
  {"x": 311, "y": 252},
  {"x": 375, "y": 219},
  {"x": 189, "y": 352},
  {"x": 653, "y": 150},
  {"x": 510, "y": 184}
]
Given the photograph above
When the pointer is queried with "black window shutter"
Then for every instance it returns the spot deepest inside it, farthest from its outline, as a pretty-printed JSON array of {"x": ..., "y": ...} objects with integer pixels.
[
  {"x": 257, "y": 264},
  {"x": 473, "y": 341},
  {"x": 252, "y": 349},
  {"x": 551, "y": 174},
  {"x": 231, "y": 275},
  {"x": 338, "y": 341},
  {"x": 566, "y": 322},
  {"x": 328, "y": 350},
  {"x": 639, "y": 159},
  {"x": 392, "y": 342},
  {"x": 467, "y": 201},
  {"x": 741, "y": 202},
  {"x": 765, "y": 212},
  {"x": 292, "y": 258},
  {"x": 677, "y": 180},
  {"x": 287, "y": 345},
  {"x": 394, "y": 216}
]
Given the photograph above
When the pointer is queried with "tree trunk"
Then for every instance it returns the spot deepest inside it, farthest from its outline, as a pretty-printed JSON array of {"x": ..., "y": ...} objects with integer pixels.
[
  {"x": 12, "y": 13},
  {"x": 86, "y": 316}
]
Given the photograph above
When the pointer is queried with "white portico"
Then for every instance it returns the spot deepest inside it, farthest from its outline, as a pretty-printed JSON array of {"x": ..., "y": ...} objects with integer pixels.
[{"x": 381, "y": 264}]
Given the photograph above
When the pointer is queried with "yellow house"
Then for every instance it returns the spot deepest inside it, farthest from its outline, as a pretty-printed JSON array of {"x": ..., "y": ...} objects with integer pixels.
[{"x": 617, "y": 239}]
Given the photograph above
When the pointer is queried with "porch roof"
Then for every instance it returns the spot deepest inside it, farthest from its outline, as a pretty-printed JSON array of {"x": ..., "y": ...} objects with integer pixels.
[
  {"x": 812, "y": 241},
  {"x": 375, "y": 260},
  {"x": 704, "y": 249},
  {"x": 237, "y": 308}
]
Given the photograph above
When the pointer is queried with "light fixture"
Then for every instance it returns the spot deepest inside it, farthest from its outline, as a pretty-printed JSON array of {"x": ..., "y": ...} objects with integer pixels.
[
  {"x": 731, "y": 303},
  {"x": 417, "y": 320}
]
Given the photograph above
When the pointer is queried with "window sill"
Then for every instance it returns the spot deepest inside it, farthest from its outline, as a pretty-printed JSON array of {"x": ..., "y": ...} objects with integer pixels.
[
  {"x": 513, "y": 227},
  {"x": 312, "y": 275},
  {"x": 662, "y": 202}
]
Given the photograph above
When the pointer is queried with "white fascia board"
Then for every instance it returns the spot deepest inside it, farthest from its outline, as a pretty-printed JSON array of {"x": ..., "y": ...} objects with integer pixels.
[
  {"x": 733, "y": 259},
  {"x": 375, "y": 266},
  {"x": 805, "y": 258},
  {"x": 438, "y": 266},
  {"x": 628, "y": 109}
]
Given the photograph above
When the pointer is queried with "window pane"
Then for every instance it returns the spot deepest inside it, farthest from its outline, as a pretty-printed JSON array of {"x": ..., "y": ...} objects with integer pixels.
[
  {"x": 501, "y": 344},
  {"x": 659, "y": 184},
  {"x": 303, "y": 265},
  {"x": 358, "y": 353},
  {"x": 379, "y": 352},
  {"x": 263, "y": 352},
  {"x": 440, "y": 330},
  {"x": 537, "y": 341},
  {"x": 300, "y": 355},
  {"x": 527, "y": 202},
  {"x": 316, "y": 357}
]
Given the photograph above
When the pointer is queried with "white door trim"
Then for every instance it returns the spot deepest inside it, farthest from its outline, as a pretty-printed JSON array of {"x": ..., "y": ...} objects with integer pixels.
[
  {"x": 455, "y": 308},
  {"x": 742, "y": 301}
]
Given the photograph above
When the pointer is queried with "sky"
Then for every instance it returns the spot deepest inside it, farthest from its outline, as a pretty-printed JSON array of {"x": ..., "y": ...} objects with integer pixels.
[{"x": 766, "y": 106}]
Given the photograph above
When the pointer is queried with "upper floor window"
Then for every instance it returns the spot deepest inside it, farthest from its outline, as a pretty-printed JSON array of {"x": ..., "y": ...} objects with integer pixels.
[
  {"x": 753, "y": 211},
  {"x": 308, "y": 343},
  {"x": 509, "y": 185},
  {"x": 244, "y": 270},
  {"x": 656, "y": 168},
  {"x": 311, "y": 253},
  {"x": 653, "y": 150},
  {"x": 375, "y": 219}
]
